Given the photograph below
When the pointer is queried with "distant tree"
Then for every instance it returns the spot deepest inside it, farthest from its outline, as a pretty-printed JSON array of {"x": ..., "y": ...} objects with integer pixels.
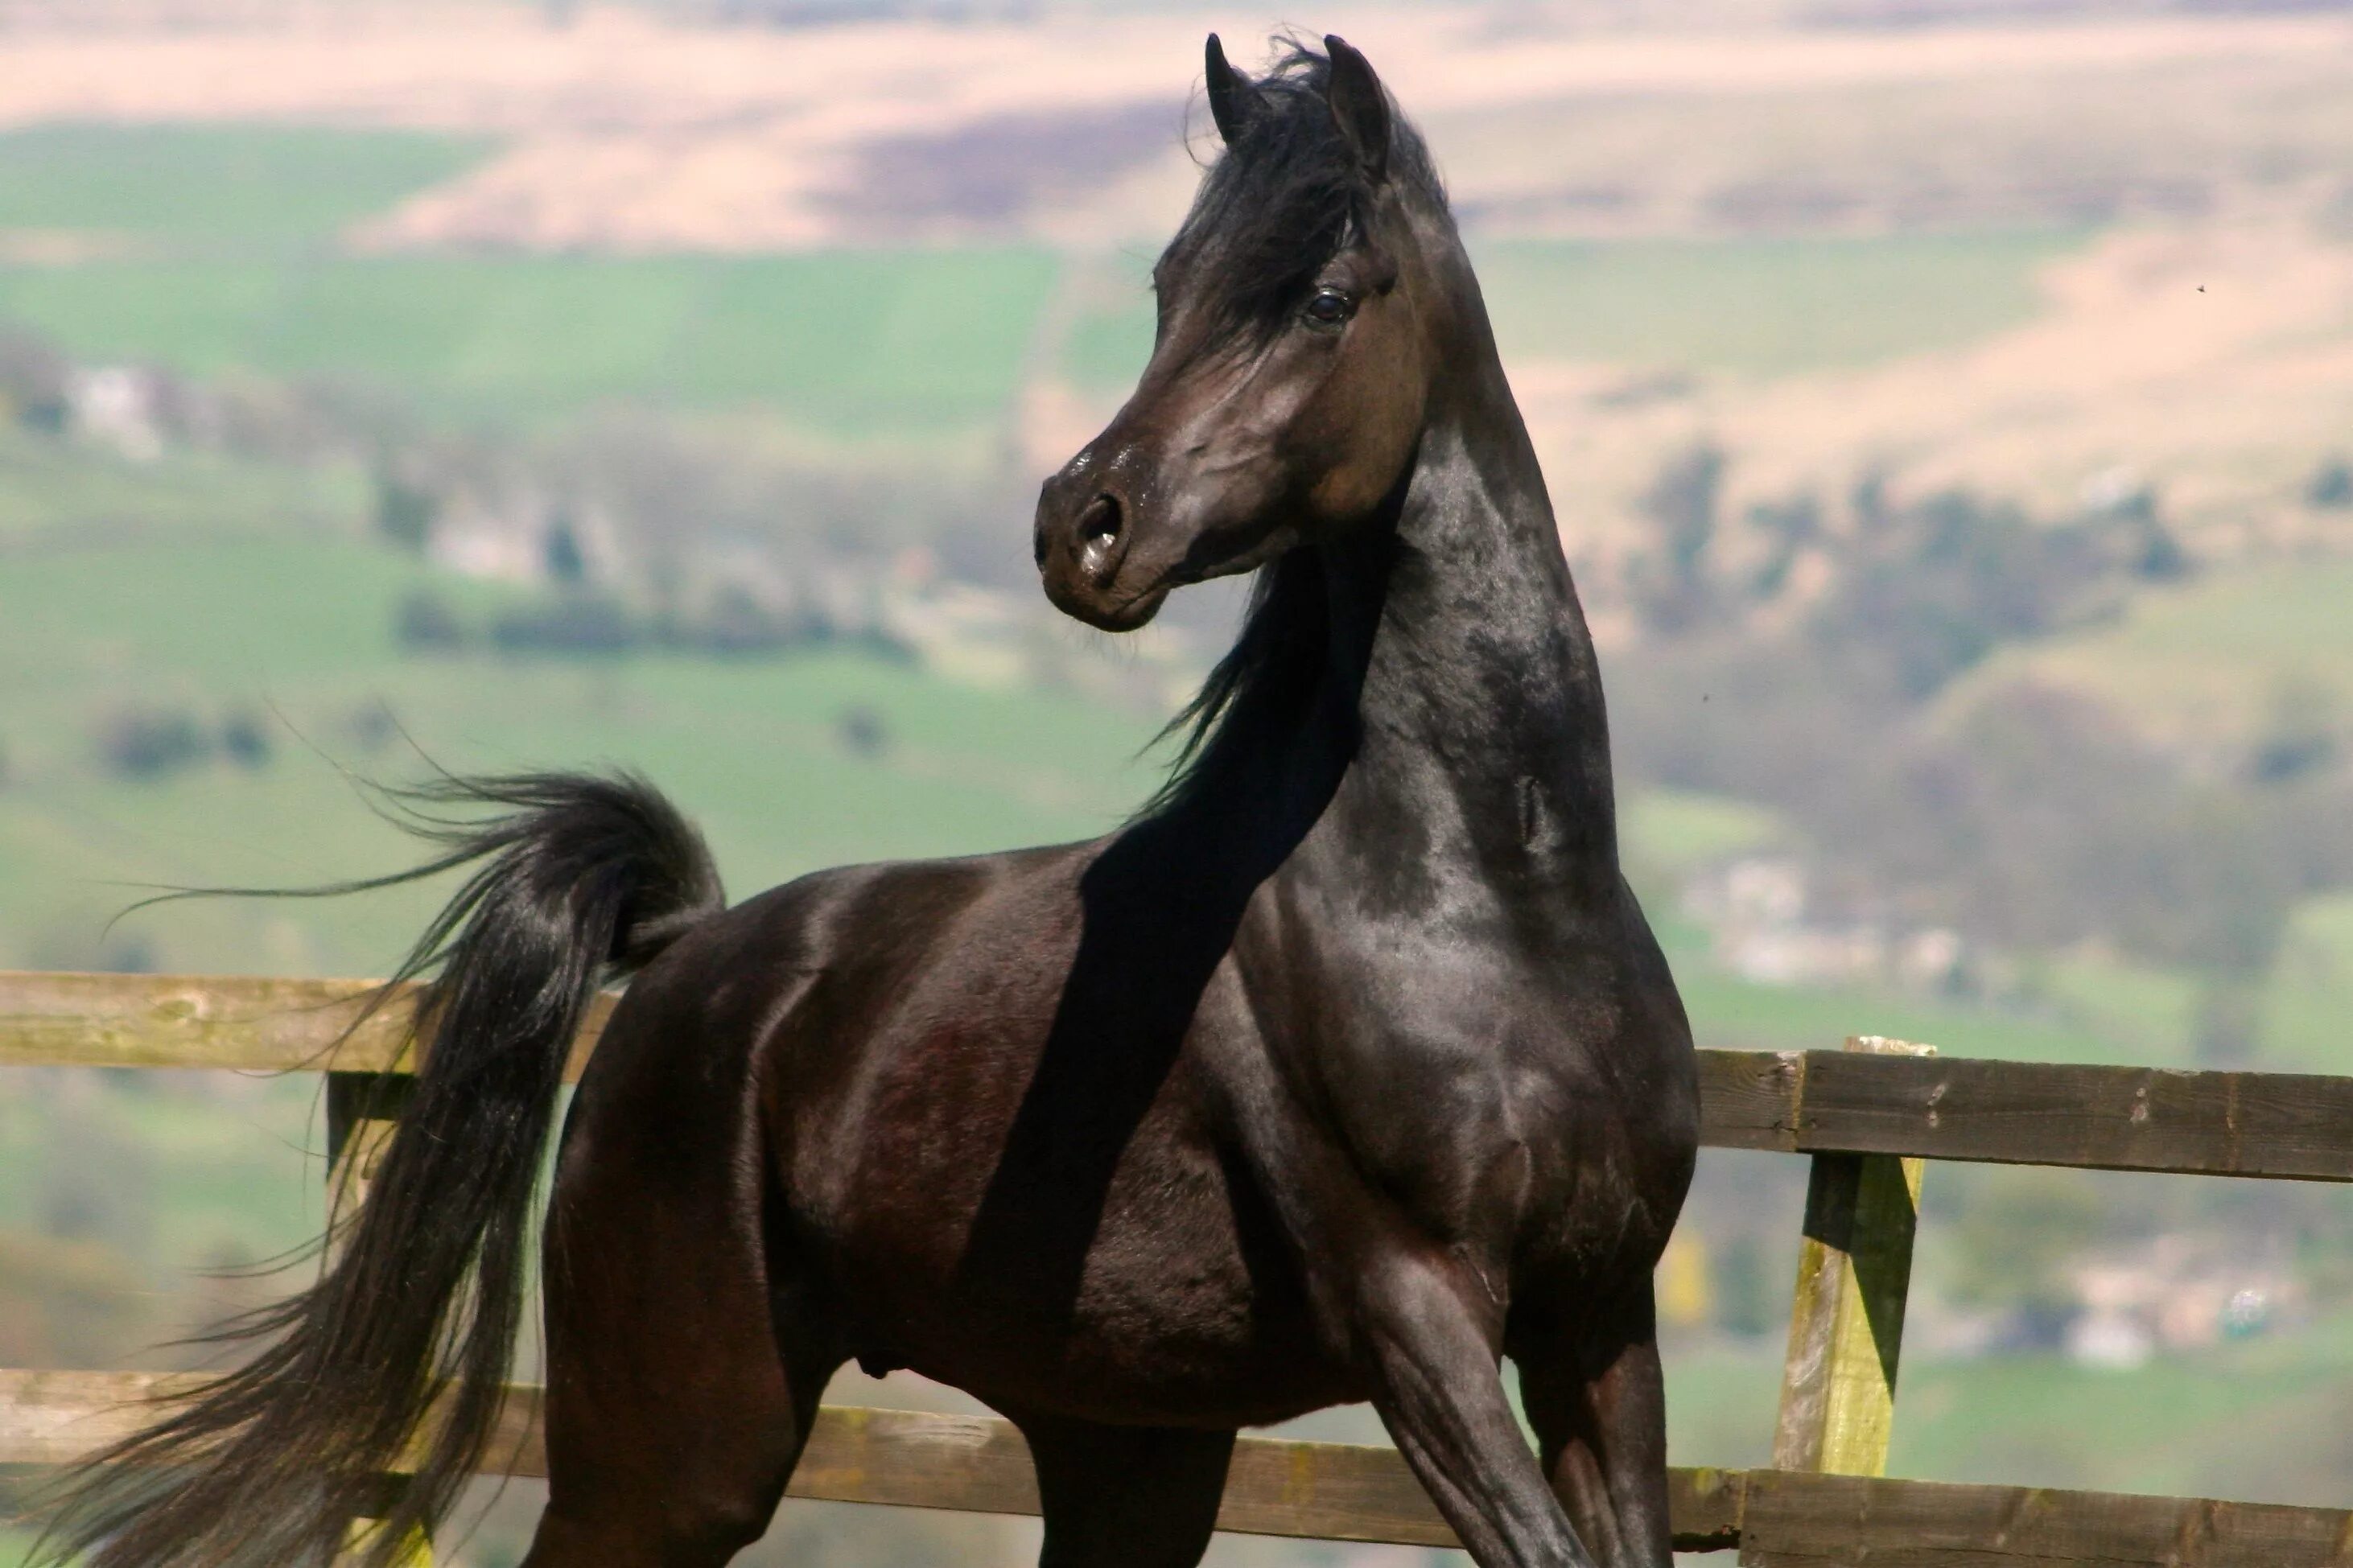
[
  {"x": 2330, "y": 488},
  {"x": 2299, "y": 738},
  {"x": 35, "y": 378},
  {"x": 150, "y": 743},
  {"x": 863, "y": 732},
  {"x": 2160, "y": 557},
  {"x": 575, "y": 625},
  {"x": 736, "y": 623},
  {"x": 567, "y": 567},
  {"x": 425, "y": 624},
  {"x": 1744, "y": 1289},
  {"x": 1681, "y": 505},
  {"x": 1789, "y": 526},
  {"x": 404, "y": 513},
  {"x": 372, "y": 727},
  {"x": 245, "y": 739},
  {"x": 1931, "y": 588},
  {"x": 1868, "y": 501}
]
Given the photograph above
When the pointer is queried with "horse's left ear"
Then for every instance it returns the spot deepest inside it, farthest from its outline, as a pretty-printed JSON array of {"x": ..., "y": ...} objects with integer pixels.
[
  {"x": 1229, "y": 92},
  {"x": 1359, "y": 106}
]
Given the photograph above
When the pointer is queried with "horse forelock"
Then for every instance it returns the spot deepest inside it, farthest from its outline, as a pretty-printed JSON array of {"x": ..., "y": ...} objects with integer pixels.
[{"x": 1287, "y": 195}]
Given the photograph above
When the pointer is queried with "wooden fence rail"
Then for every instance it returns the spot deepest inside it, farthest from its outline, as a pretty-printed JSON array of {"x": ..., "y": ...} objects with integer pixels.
[
  {"x": 1868, "y": 1115},
  {"x": 2291, "y": 1126}
]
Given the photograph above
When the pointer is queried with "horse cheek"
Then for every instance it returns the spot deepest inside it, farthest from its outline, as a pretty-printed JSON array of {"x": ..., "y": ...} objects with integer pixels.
[{"x": 1374, "y": 413}]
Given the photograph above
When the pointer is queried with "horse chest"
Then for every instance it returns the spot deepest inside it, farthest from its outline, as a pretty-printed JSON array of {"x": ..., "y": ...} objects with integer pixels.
[{"x": 1500, "y": 1109}]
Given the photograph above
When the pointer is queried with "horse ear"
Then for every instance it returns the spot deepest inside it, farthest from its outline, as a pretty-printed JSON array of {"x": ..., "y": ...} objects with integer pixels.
[
  {"x": 1229, "y": 94},
  {"x": 1359, "y": 105}
]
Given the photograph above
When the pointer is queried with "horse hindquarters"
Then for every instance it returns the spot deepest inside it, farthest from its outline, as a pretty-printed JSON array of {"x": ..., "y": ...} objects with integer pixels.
[{"x": 685, "y": 1355}]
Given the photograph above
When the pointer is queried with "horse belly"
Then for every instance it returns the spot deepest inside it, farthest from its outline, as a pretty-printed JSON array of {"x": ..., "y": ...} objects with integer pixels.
[{"x": 1156, "y": 1296}]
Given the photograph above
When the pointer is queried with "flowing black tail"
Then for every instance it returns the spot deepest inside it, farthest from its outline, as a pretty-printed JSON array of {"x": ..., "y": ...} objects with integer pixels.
[{"x": 580, "y": 879}]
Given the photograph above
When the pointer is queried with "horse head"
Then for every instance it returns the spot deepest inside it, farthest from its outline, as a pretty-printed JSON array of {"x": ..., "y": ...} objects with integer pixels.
[{"x": 1302, "y": 315}]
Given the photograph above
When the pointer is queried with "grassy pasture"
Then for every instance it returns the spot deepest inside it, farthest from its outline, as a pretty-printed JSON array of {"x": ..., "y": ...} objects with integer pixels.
[
  {"x": 53, "y": 491},
  {"x": 846, "y": 343},
  {"x": 2043, "y": 1420},
  {"x": 2307, "y": 1006},
  {"x": 213, "y": 249},
  {"x": 305, "y": 628},
  {"x": 1760, "y": 306},
  {"x": 214, "y": 186},
  {"x": 2212, "y": 661},
  {"x": 212, "y": 252}
]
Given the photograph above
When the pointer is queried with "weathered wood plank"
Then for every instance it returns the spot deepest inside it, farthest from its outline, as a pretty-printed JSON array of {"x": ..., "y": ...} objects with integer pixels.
[
  {"x": 192, "y": 1021},
  {"x": 2287, "y": 1125},
  {"x": 1748, "y": 1100},
  {"x": 364, "y": 1110},
  {"x": 248, "y": 1023},
  {"x": 1780, "y": 1520},
  {"x": 1337, "y": 1492},
  {"x": 1846, "y": 1319},
  {"x": 1856, "y": 1522}
]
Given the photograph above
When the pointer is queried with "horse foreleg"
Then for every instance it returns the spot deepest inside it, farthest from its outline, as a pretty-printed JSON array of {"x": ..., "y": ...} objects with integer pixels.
[
  {"x": 1125, "y": 1497},
  {"x": 1597, "y": 1399},
  {"x": 1424, "y": 1326}
]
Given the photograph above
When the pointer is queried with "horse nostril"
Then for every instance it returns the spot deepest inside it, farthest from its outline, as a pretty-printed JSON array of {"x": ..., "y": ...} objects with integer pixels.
[{"x": 1099, "y": 525}]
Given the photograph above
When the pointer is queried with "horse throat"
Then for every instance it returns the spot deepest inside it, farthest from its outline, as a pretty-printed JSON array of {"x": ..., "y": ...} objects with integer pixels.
[{"x": 1458, "y": 643}]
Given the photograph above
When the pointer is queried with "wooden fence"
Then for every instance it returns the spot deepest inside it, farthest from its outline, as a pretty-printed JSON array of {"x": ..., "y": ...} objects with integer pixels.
[{"x": 1868, "y": 1116}]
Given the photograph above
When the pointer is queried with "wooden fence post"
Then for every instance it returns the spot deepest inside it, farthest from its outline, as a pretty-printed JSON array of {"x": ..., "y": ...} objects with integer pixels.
[
  {"x": 1846, "y": 1328},
  {"x": 363, "y": 1110}
]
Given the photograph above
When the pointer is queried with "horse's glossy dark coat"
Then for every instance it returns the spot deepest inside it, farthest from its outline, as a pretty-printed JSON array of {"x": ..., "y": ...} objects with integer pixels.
[{"x": 1346, "y": 1069}]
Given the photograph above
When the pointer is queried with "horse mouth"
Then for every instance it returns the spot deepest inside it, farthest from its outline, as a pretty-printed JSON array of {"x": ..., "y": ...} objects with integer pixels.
[{"x": 1105, "y": 612}]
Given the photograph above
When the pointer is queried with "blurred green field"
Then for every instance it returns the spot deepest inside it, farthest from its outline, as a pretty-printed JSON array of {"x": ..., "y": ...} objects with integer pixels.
[
  {"x": 209, "y": 187},
  {"x": 75, "y": 495},
  {"x": 1761, "y": 306},
  {"x": 847, "y": 342},
  {"x": 2209, "y": 663},
  {"x": 2265, "y": 1420},
  {"x": 299, "y": 629},
  {"x": 2307, "y": 1007},
  {"x": 227, "y": 265}
]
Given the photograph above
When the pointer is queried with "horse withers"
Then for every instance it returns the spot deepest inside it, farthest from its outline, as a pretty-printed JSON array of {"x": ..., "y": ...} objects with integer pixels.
[{"x": 1347, "y": 1068}]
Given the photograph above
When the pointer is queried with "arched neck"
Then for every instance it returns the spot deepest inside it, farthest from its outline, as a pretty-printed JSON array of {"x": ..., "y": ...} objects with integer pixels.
[{"x": 1458, "y": 647}]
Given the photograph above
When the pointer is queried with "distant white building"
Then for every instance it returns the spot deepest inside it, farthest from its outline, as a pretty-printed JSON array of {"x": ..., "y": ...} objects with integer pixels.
[{"x": 118, "y": 406}]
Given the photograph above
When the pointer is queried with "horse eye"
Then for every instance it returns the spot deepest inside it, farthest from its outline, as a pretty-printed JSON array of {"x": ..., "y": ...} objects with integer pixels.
[{"x": 1329, "y": 308}]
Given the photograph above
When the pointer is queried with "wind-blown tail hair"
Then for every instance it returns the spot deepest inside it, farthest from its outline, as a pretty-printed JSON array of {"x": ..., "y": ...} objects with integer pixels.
[{"x": 400, "y": 1351}]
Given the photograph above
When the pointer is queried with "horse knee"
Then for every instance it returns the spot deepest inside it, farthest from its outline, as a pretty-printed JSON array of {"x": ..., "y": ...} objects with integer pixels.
[
  {"x": 686, "y": 1528},
  {"x": 713, "y": 1527}
]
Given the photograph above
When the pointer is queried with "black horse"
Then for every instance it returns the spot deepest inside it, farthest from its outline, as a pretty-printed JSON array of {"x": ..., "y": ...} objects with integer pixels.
[{"x": 1346, "y": 1070}]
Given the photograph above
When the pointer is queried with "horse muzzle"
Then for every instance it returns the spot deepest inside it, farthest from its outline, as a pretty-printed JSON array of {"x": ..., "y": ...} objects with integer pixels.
[{"x": 1085, "y": 529}]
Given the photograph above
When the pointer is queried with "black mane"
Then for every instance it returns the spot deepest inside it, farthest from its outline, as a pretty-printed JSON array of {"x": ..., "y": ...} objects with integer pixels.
[
  {"x": 1271, "y": 211},
  {"x": 1261, "y": 685},
  {"x": 1288, "y": 195}
]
